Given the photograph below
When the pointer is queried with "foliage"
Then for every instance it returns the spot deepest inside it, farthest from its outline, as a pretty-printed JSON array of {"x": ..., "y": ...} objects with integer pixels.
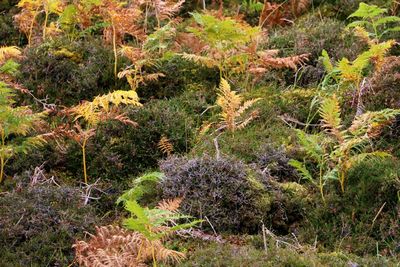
[
  {"x": 338, "y": 150},
  {"x": 364, "y": 217},
  {"x": 275, "y": 162},
  {"x": 372, "y": 19},
  {"x": 228, "y": 193},
  {"x": 232, "y": 108},
  {"x": 16, "y": 124},
  {"x": 117, "y": 246},
  {"x": 278, "y": 14},
  {"x": 27, "y": 19},
  {"x": 153, "y": 224},
  {"x": 141, "y": 186},
  {"x": 227, "y": 254},
  {"x": 234, "y": 48}
]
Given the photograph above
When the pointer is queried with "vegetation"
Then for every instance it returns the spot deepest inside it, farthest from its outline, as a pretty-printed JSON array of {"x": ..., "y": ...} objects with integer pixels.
[{"x": 199, "y": 133}]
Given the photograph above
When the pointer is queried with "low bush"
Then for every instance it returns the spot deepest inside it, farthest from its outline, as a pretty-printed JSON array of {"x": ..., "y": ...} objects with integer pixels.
[
  {"x": 275, "y": 162},
  {"x": 231, "y": 195},
  {"x": 119, "y": 151},
  {"x": 180, "y": 74},
  {"x": 38, "y": 224},
  {"x": 9, "y": 34},
  {"x": 67, "y": 72}
]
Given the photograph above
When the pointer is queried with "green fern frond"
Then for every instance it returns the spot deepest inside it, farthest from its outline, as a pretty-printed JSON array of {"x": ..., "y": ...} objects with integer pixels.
[
  {"x": 302, "y": 169},
  {"x": 326, "y": 61},
  {"x": 311, "y": 145}
]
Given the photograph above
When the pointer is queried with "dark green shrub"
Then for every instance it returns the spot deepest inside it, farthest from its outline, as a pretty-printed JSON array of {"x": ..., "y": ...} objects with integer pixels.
[
  {"x": 67, "y": 72},
  {"x": 230, "y": 194},
  {"x": 9, "y": 34},
  {"x": 119, "y": 151},
  {"x": 274, "y": 161},
  {"x": 39, "y": 224},
  {"x": 180, "y": 74}
]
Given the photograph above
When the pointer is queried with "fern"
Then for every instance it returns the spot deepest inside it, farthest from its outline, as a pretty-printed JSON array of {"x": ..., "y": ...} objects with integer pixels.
[
  {"x": 100, "y": 109},
  {"x": 115, "y": 246},
  {"x": 16, "y": 122},
  {"x": 9, "y": 52},
  {"x": 372, "y": 18},
  {"x": 338, "y": 151},
  {"x": 232, "y": 109},
  {"x": 92, "y": 112},
  {"x": 140, "y": 186},
  {"x": 330, "y": 114},
  {"x": 165, "y": 146}
]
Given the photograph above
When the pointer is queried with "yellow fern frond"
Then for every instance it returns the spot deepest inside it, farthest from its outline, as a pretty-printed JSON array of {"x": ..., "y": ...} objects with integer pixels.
[
  {"x": 92, "y": 111},
  {"x": 231, "y": 105},
  {"x": 201, "y": 60},
  {"x": 330, "y": 114}
]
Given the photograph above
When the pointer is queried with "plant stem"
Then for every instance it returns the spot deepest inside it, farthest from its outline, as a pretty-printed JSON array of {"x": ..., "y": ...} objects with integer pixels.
[
  {"x": 321, "y": 185},
  {"x": 2, "y": 157},
  {"x": 115, "y": 48},
  {"x": 153, "y": 254},
  {"x": 31, "y": 27},
  {"x": 84, "y": 160},
  {"x": 46, "y": 18},
  {"x": 1, "y": 169}
]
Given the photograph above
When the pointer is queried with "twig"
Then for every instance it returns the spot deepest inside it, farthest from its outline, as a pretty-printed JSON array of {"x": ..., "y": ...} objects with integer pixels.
[
  {"x": 286, "y": 119},
  {"x": 376, "y": 216},
  {"x": 212, "y": 227}
]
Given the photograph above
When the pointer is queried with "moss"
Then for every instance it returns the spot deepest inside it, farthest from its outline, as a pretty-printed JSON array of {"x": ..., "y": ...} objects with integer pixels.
[
  {"x": 364, "y": 219},
  {"x": 220, "y": 255}
]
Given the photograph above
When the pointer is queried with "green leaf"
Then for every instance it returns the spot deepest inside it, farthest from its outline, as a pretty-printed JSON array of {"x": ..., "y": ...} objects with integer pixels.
[
  {"x": 358, "y": 23},
  {"x": 301, "y": 168},
  {"x": 387, "y": 19},
  {"x": 10, "y": 67},
  {"x": 326, "y": 61},
  {"x": 368, "y": 11},
  {"x": 134, "y": 208}
]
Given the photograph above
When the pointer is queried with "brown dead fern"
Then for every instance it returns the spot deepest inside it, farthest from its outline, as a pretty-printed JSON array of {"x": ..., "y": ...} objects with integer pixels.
[{"x": 115, "y": 246}]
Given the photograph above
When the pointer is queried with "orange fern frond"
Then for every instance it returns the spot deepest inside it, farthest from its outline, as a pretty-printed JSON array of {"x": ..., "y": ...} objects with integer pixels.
[
  {"x": 170, "y": 204},
  {"x": 165, "y": 145},
  {"x": 115, "y": 246}
]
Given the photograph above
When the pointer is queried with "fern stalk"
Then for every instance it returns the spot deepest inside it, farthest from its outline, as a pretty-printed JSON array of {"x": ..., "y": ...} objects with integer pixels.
[
  {"x": 114, "y": 47},
  {"x": 3, "y": 159},
  {"x": 46, "y": 18},
  {"x": 321, "y": 184},
  {"x": 83, "y": 146},
  {"x": 31, "y": 26}
]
